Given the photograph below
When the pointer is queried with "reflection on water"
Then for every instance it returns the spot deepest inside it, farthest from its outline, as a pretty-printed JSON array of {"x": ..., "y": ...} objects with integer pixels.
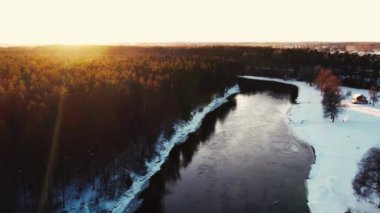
[{"x": 242, "y": 159}]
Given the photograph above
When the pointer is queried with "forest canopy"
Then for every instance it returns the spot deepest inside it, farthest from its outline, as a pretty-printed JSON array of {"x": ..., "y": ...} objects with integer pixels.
[{"x": 117, "y": 100}]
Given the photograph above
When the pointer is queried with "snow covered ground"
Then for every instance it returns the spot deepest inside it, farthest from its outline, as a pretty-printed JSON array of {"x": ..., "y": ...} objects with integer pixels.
[
  {"x": 339, "y": 146},
  {"x": 363, "y": 108}
]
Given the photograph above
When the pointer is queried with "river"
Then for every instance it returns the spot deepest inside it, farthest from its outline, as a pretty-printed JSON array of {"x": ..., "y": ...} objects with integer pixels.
[{"x": 244, "y": 158}]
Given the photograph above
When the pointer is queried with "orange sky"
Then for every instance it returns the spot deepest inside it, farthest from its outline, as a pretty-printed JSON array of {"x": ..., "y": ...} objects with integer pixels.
[{"x": 120, "y": 21}]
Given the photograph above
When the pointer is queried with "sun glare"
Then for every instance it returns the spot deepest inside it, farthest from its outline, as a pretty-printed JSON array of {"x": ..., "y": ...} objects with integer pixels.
[{"x": 116, "y": 21}]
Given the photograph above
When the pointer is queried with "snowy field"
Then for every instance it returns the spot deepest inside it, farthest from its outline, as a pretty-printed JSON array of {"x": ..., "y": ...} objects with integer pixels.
[{"x": 339, "y": 146}]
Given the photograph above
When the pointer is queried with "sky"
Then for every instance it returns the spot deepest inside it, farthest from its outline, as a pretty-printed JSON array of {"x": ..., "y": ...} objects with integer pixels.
[{"x": 123, "y": 21}]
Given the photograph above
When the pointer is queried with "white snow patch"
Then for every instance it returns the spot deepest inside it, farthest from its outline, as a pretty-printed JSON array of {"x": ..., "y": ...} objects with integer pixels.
[
  {"x": 294, "y": 148},
  {"x": 339, "y": 146}
]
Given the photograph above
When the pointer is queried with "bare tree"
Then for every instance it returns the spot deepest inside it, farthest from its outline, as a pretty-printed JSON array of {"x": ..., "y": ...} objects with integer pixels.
[
  {"x": 329, "y": 84},
  {"x": 321, "y": 78},
  {"x": 367, "y": 181},
  {"x": 373, "y": 94},
  {"x": 331, "y": 103}
]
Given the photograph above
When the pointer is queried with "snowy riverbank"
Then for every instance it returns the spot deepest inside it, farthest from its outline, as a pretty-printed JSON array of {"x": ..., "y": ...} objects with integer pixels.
[
  {"x": 129, "y": 200},
  {"x": 338, "y": 147}
]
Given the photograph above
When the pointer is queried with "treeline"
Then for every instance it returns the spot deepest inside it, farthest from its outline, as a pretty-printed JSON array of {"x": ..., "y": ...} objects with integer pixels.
[
  {"x": 304, "y": 64},
  {"x": 115, "y": 101}
]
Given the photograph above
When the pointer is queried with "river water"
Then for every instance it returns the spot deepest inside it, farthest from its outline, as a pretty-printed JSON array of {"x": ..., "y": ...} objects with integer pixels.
[{"x": 243, "y": 158}]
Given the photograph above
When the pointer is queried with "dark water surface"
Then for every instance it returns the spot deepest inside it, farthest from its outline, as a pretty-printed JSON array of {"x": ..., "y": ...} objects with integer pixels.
[{"x": 244, "y": 158}]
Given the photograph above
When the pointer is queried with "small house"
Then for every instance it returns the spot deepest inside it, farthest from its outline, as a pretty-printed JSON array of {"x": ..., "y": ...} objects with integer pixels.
[{"x": 359, "y": 99}]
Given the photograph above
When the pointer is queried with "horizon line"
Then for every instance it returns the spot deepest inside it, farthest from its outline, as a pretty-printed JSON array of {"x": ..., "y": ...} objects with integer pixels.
[{"x": 137, "y": 43}]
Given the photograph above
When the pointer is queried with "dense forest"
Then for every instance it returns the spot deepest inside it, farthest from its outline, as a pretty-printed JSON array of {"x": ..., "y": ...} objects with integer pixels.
[{"x": 71, "y": 114}]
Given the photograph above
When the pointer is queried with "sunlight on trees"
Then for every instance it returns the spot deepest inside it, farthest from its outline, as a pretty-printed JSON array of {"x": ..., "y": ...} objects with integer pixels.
[
  {"x": 329, "y": 84},
  {"x": 119, "y": 99}
]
